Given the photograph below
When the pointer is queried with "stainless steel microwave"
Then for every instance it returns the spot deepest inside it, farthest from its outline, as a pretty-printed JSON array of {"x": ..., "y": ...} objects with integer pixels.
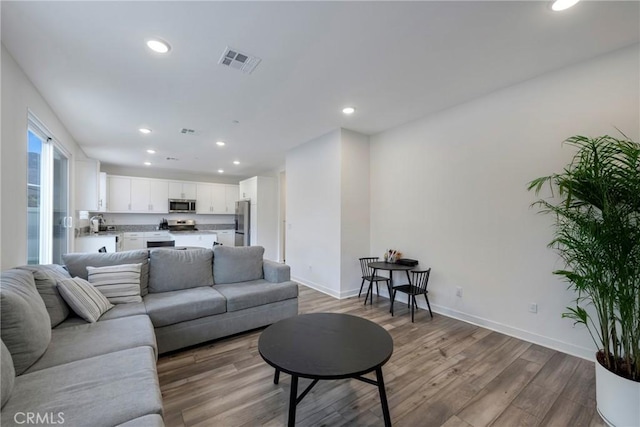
[{"x": 181, "y": 205}]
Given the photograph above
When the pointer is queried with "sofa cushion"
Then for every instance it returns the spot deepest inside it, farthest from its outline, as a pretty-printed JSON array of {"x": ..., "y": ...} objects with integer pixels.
[
  {"x": 241, "y": 264},
  {"x": 257, "y": 292},
  {"x": 24, "y": 321},
  {"x": 172, "y": 270},
  {"x": 119, "y": 283},
  {"x": 154, "y": 420},
  {"x": 101, "y": 391},
  {"x": 77, "y": 263},
  {"x": 46, "y": 277},
  {"x": 118, "y": 311},
  {"x": 7, "y": 374},
  {"x": 167, "y": 308},
  {"x": 94, "y": 339},
  {"x": 85, "y": 300}
]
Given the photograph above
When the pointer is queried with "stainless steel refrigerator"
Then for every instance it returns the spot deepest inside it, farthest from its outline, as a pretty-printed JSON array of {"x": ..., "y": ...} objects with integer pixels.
[{"x": 243, "y": 229}]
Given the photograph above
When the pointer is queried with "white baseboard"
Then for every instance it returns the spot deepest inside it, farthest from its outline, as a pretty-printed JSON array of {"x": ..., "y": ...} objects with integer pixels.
[{"x": 574, "y": 350}]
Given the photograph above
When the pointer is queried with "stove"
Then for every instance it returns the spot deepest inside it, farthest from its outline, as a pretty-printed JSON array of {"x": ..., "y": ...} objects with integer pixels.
[{"x": 182, "y": 225}]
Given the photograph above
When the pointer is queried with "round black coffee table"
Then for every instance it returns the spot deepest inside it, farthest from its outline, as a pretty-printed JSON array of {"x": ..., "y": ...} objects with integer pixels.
[{"x": 326, "y": 346}]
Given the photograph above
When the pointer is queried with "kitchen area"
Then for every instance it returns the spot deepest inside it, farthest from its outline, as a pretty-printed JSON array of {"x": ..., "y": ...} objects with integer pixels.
[{"x": 119, "y": 213}]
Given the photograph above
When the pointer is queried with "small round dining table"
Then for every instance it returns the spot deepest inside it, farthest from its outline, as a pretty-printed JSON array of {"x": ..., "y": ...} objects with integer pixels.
[{"x": 390, "y": 267}]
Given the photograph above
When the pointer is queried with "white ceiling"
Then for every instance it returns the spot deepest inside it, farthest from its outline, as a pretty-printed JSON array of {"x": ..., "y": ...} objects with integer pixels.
[{"x": 393, "y": 61}]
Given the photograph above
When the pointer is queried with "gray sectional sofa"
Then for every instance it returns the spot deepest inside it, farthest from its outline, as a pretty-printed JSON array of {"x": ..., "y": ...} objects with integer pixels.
[{"x": 60, "y": 369}]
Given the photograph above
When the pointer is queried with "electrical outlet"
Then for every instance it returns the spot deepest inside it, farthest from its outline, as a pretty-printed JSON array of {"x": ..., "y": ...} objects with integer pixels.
[
  {"x": 533, "y": 307},
  {"x": 459, "y": 292},
  {"x": 310, "y": 268}
]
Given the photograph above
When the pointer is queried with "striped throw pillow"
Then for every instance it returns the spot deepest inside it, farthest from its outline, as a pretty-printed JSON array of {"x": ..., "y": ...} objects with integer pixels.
[
  {"x": 83, "y": 298},
  {"x": 119, "y": 283}
]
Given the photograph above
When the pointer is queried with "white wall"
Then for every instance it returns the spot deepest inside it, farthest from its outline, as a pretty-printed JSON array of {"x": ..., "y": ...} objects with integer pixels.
[
  {"x": 354, "y": 210},
  {"x": 313, "y": 213},
  {"x": 18, "y": 95},
  {"x": 327, "y": 183},
  {"x": 450, "y": 191}
]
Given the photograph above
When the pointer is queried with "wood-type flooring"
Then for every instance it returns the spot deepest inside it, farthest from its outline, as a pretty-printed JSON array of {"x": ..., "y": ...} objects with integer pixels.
[{"x": 443, "y": 372}]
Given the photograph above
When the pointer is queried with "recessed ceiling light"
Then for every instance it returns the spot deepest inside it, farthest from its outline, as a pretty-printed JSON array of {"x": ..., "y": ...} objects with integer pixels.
[
  {"x": 158, "y": 46},
  {"x": 220, "y": 143},
  {"x": 220, "y": 171},
  {"x": 559, "y": 5},
  {"x": 147, "y": 163},
  {"x": 235, "y": 162},
  {"x": 348, "y": 110},
  {"x": 144, "y": 130},
  {"x": 151, "y": 151}
]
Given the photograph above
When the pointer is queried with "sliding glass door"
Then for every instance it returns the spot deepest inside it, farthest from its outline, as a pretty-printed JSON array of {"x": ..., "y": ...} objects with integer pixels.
[
  {"x": 61, "y": 218},
  {"x": 49, "y": 224}
]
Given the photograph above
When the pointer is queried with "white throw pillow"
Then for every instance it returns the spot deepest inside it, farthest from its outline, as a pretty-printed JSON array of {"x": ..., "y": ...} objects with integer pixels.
[
  {"x": 119, "y": 283},
  {"x": 84, "y": 299}
]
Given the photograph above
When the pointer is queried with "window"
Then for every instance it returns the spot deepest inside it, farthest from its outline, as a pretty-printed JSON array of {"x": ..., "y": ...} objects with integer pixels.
[{"x": 48, "y": 223}]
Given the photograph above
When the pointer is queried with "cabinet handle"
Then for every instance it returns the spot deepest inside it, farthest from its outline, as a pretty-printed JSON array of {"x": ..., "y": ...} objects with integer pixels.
[{"x": 129, "y": 206}]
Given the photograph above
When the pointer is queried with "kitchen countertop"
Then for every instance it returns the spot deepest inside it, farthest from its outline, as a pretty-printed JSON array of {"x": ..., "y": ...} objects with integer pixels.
[
  {"x": 102, "y": 234},
  {"x": 192, "y": 232}
]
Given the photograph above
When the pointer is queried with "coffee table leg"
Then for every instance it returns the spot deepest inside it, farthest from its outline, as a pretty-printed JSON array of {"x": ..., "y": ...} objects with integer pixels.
[
  {"x": 383, "y": 399},
  {"x": 276, "y": 377},
  {"x": 292, "y": 401}
]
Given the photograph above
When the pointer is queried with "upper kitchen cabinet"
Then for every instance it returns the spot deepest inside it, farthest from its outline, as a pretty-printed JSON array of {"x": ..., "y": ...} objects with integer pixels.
[
  {"x": 212, "y": 199},
  {"x": 182, "y": 190},
  {"x": 231, "y": 195},
  {"x": 141, "y": 195},
  {"x": 119, "y": 199},
  {"x": 249, "y": 189},
  {"x": 91, "y": 186}
]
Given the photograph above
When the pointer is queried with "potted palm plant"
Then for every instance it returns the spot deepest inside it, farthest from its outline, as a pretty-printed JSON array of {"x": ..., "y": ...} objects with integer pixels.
[{"x": 596, "y": 207}]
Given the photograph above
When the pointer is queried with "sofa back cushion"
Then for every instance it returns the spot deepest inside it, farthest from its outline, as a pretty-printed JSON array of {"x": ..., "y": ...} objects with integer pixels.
[
  {"x": 25, "y": 326},
  {"x": 173, "y": 270},
  {"x": 233, "y": 265},
  {"x": 7, "y": 374},
  {"x": 77, "y": 263},
  {"x": 46, "y": 277}
]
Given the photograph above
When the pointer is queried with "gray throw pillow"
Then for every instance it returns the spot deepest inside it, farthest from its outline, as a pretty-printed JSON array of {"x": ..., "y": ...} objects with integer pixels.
[
  {"x": 25, "y": 326},
  {"x": 233, "y": 265},
  {"x": 119, "y": 283},
  {"x": 172, "y": 269},
  {"x": 7, "y": 374},
  {"x": 77, "y": 263},
  {"x": 46, "y": 277},
  {"x": 85, "y": 300}
]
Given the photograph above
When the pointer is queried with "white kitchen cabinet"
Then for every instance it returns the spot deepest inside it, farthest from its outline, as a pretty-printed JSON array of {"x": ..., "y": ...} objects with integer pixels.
[
  {"x": 226, "y": 237},
  {"x": 102, "y": 192},
  {"x": 142, "y": 195},
  {"x": 203, "y": 240},
  {"x": 87, "y": 178},
  {"x": 119, "y": 190},
  {"x": 204, "y": 199},
  {"x": 182, "y": 190},
  {"x": 133, "y": 241},
  {"x": 248, "y": 189},
  {"x": 158, "y": 196},
  {"x": 212, "y": 199},
  {"x": 231, "y": 197},
  {"x": 93, "y": 243}
]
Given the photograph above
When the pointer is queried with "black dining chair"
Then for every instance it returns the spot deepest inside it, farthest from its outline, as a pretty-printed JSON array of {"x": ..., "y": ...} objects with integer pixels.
[
  {"x": 418, "y": 286},
  {"x": 368, "y": 274}
]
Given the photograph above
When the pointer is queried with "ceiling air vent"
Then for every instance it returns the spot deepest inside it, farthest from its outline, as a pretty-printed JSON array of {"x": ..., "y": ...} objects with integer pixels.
[
  {"x": 242, "y": 61},
  {"x": 187, "y": 131}
]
